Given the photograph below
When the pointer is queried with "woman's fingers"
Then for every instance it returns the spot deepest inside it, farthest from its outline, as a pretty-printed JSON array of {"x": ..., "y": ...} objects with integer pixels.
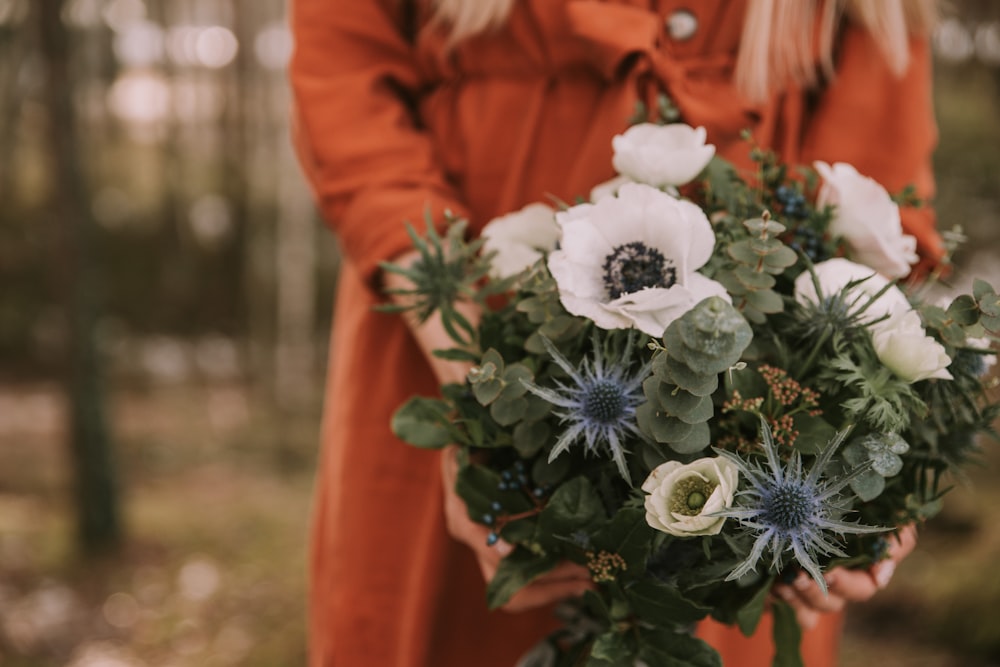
[{"x": 809, "y": 601}]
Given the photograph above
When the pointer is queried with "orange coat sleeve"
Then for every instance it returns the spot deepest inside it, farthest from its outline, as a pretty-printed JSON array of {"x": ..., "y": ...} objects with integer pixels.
[
  {"x": 369, "y": 165},
  {"x": 883, "y": 124}
]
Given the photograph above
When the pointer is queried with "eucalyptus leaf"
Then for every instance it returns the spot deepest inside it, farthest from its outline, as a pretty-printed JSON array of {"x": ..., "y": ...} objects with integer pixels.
[
  {"x": 868, "y": 485},
  {"x": 964, "y": 310},
  {"x": 698, "y": 439},
  {"x": 753, "y": 280},
  {"x": 423, "y": 422},
  {"x": 689, "y": 380},
  {"x": 508, "y": 411},
  {"x": 766, "y": 301}
]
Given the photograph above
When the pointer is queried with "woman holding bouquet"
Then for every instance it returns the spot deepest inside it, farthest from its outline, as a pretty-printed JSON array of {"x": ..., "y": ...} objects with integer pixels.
[{"x": 480, "y": 107}]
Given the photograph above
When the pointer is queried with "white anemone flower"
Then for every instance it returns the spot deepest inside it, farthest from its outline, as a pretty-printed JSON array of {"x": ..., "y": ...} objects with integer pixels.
[
  {"x": 631, "y": 261},
  {"x": 520, "y": 239},
  {"x": 867, "y": 218},
  {"x": 661, "y": 155}
]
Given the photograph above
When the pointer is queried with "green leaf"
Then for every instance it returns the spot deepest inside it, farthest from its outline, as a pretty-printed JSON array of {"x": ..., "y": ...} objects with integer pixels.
[
  {"x": 981, "y": 289},
  {"x": 753, "y": 279},
  {"x": 508, "y": 411},
  {"x": 629, "y": 536},
  {"x": 787, "y": 637},
  {"x": 814, "y": 433},
  {"x": 612, "y": 648},
  {"x": 766, "y": 301},
  {"x": 574, "y": 506},
  {"x": 964, "y": 310},
  {"x": 487, "y": 378},
  {"x": 743, "y": 253},
  {"x": 514, "y": 573},
  {"x": 749, "y": 615},
  {"x": 698, "y": 439},
  {"x": 515, "y": 376},
  {"x": 660, "y": 647},
  {"x": 550, "y": 473},
  {"x": 529, "y": 437},
  {"x": 423, "y": 422},
  {"x": 663, "y": 605},
  {"x": 477, "y": 486},
  {"x": 456, "y": 354},
  {"x": 868, "y": 485},
  {"x": 659, "y": 425},
  {"x": 686, "y": 406},
  {"x": 689, "y": 380},
  {"x": 780, "y": 259}
]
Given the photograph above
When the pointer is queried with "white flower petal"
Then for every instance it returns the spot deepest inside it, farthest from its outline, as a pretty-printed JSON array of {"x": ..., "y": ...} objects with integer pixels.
[
  {"x": 661, "y": 155},
  {"x": 867, "y": 218}
]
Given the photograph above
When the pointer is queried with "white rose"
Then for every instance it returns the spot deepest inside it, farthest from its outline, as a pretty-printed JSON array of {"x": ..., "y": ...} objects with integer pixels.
[
  {"x": 520, "y": 239},
  {"x": 661, "y": 155},
  {"x": 632, "y": 260},
  {"x": 683, "y": 497},
  {"x": 906, "y": 349},
  {"x": 834, "y": 275},
  {"x": 867, "y": 218}
]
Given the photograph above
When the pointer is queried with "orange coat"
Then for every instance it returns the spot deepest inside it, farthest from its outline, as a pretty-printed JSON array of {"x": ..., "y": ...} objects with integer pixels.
[{"x": 389, "y": 124}]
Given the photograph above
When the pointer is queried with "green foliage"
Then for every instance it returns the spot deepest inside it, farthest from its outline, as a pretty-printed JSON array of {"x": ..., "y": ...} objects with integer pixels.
[
  {"x": 699, "y": 345},
  {"x": 449, "y": 270},
  {"x": 881, "y": 453}
]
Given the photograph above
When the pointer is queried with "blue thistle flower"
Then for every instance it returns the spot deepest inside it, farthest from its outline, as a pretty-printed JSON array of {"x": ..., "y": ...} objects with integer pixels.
[
  {"x": 790, "y": 509},
  {"x": 597, "y": 404}
]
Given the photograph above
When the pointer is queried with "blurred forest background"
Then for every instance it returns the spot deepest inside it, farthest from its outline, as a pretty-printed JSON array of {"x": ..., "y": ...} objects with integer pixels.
[{"x": 165, "y": 290}]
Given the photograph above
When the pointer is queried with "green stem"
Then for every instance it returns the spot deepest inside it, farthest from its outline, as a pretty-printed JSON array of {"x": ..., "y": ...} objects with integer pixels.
[{"x": 811, "y": 359}]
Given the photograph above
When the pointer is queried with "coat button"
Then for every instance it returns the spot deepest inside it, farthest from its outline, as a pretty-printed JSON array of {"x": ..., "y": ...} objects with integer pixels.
[{"x": 682, "y": 25}]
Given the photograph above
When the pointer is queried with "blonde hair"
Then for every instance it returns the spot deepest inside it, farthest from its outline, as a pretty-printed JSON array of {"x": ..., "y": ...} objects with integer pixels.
[{"x": 779, "y": 46}]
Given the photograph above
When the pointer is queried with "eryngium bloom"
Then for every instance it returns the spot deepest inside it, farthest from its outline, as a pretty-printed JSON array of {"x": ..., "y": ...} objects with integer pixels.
[
  {"x": 598, "y": 403},
  {"x": 789, "y": 509}
]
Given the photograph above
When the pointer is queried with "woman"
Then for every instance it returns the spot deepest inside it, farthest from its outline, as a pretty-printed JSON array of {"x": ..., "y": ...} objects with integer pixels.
[{"x": 480, "y": 107}]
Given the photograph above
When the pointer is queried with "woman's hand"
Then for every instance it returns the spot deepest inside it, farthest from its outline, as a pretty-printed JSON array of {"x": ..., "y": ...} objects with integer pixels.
[
  {"x": 565, "y": 581},
  {"x": 844, "y": 585}
]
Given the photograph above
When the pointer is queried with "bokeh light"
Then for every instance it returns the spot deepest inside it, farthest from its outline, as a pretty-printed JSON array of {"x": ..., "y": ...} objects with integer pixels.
[
  {"x": 139, "y": 44},
  {"x": 273, "y": 46},
  {"x": 953, "y": 42}
]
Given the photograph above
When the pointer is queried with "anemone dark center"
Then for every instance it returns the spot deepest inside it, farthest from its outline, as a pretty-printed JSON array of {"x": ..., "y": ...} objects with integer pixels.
[
  {"x": 604, "y": 402},
  {"x": 789, "y": 506},
  {"x": 635, "y": 266}
]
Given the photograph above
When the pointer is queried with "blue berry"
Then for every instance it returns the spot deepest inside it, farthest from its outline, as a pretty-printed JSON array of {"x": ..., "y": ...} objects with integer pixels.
[
  {"x": 488, "y": 519},
  {"x": 496, "y": 506},
  {"x": 492, "y": 539},
  {"x": 507, "y": 475},
  {"x": 502, "y": 486},
  {"x": 537, "y": 492}
]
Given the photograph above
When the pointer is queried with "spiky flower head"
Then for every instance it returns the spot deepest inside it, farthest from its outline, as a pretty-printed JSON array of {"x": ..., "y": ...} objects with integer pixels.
[
  {"x": 597, "y": 404},
  {"x": 793, "y": 512}
]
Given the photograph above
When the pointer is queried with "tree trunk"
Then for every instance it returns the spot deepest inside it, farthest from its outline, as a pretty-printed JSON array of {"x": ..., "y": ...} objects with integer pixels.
[{"x": 96, "y": 494}]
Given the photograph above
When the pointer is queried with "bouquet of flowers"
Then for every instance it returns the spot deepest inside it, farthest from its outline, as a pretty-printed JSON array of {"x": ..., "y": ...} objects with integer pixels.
[{"x": 695, "y": 392}]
